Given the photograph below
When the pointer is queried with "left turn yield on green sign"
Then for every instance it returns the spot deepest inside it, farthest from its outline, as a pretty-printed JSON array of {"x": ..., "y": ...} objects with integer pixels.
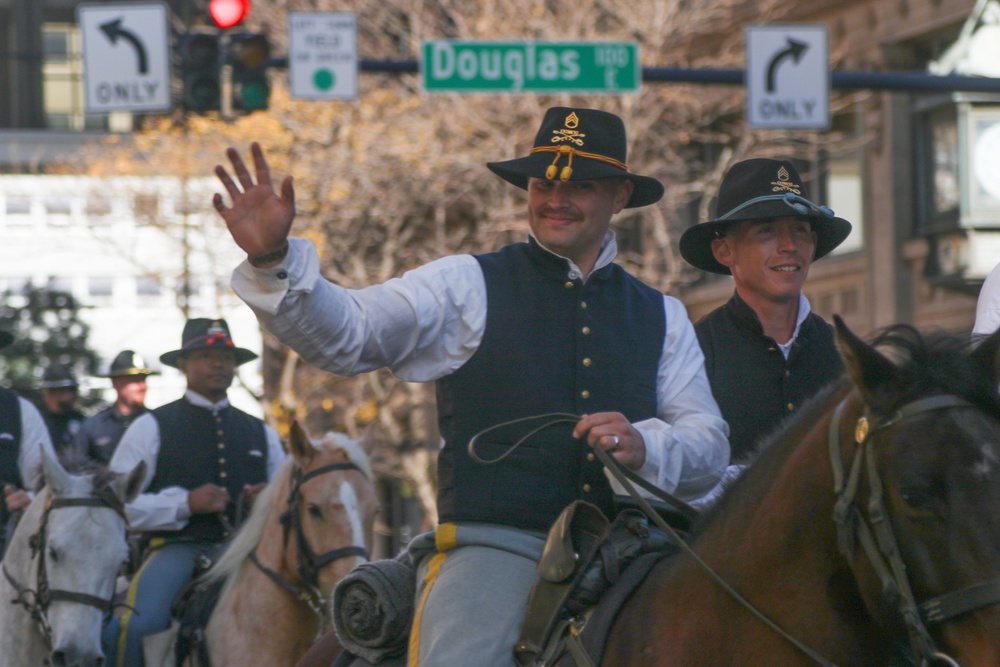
[{"x": 126, "y": 57}]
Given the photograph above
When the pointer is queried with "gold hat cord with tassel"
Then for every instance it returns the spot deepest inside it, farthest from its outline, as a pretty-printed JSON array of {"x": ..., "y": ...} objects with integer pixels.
[{"x": 567, "y": 171}]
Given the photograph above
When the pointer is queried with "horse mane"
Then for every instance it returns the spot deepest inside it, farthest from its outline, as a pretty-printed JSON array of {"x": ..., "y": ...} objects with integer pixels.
[
  {"x": 774, "y": 449},
  {"x": 937, "y": 361},
  {"x": 932, "y": 362},
  {"x": 249, "y": 535}
]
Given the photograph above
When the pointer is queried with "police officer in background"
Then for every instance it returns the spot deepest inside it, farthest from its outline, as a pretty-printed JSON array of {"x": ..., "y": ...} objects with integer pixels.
[
  {"x": 60, "y": 391},
  {"x": 23, "y": 435},
  {"x": 99, "y": 435}
]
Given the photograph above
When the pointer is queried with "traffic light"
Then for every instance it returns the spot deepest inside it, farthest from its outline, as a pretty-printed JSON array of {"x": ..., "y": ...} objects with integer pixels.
[
  {"x": 200, "y": 68},
  {"x": 248, "y": 56},
  {"x": 228, "y": 13}
]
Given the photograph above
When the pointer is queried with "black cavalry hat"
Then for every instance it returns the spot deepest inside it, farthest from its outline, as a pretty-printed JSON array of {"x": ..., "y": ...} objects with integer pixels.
[
  {"x": 202, "y": 333},
  {"x": 128, "y": 363},
  {"x": 761, "y": 189},
  {"x": 579, "y": 145},
  {"x": 57, "y": 376}
]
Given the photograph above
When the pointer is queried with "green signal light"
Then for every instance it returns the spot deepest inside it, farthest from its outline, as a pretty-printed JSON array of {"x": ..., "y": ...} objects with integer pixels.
[
  {"x": 253, "y": 96},
  {"x": 324, "y": 79}
]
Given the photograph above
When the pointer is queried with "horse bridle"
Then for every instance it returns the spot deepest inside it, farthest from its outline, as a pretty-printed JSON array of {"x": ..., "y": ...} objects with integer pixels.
[
  {"x": 309, "y": 562},
  {"x": 874, "y": 530},
  {"x": 36, "y": 601}
]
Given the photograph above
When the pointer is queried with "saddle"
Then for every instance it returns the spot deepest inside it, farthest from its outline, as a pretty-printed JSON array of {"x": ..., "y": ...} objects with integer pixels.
[
  {"x": 583, "y": 558},
  {"x": 192, "y": 610}
]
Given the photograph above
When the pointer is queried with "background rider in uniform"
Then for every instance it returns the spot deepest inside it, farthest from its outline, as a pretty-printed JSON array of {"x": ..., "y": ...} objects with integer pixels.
[
  {"x": 99, "y": 435},
  {"x": 60, "y": 392},
  {"x": 202, "y": 454},
  {"x": 23, "y": 436}
]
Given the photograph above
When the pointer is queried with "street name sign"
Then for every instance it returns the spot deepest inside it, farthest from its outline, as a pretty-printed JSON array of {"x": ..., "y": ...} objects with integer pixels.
[
  {"x": 323, "y": 55},
  {"x": 531, "y": 67},
  {"x": 788, "y": 77},
  {"x": 126, "y": 57}
]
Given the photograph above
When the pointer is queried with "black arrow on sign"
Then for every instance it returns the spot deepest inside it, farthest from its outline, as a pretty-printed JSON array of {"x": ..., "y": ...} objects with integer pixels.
[
  {"x": 794, "y": 50},
  {"x": 114, "y": 30}
]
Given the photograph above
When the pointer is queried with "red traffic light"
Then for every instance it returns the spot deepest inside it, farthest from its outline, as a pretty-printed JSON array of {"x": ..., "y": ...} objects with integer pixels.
[{"x": 227, "y": 13}]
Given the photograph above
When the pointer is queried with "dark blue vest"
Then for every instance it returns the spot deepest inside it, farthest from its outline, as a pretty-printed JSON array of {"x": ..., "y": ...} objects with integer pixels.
[
  {"x": 551, "y": 344},
  {"x": 197, "y": 447},
  {"x": 10, "y": 447}
]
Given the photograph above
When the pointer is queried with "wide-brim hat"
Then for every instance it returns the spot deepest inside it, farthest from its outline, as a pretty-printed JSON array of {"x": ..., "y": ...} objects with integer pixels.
[
  {"x": 761, "y": 189},
  {"x": 128, "y": 363},
  {"x": 202, "y": 333},
  {"x": 579, "y": 145},
  {"x": 58, "y": 376},
  {"x": 6, "y": 338}
]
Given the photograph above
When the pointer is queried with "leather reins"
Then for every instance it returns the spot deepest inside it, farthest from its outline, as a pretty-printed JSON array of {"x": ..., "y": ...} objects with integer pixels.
[
  {"x": 36, "y": 601},
  {"x": 309, "y": 562},
  {"x": 874, "y": 530}
]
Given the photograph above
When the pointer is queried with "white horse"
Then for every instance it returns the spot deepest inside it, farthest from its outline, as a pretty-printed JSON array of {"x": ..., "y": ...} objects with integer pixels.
[{"x": 60, "y": 567}]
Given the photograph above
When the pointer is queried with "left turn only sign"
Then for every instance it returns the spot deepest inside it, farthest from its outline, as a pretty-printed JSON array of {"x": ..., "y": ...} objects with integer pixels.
[{"x": 126, "y": 57}]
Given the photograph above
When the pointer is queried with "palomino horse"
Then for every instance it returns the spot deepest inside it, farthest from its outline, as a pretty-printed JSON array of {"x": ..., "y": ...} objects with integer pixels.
[
  {"x": 60, "y": 568},
  {"x": 309, "y": 527},
  {"x": 873, "y": 519}
]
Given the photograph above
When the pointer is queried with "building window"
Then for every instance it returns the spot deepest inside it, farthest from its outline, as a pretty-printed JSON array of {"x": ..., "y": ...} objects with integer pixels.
[
  {"x": 57, "y": 211},
  {"x": 18, "y": 211},
  {"x": 64, "y": 97},
  {"x": 845, "y": 195},
  {"x": 100, "y": 289},
  {"x": 937, "y": 163},
  {"x": 98, "y": 211},
  {"x": 146, "y": 208}
]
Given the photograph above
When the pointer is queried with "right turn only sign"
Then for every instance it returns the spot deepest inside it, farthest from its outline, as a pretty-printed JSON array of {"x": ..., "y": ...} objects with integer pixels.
[{"x": 788, "y": 77}]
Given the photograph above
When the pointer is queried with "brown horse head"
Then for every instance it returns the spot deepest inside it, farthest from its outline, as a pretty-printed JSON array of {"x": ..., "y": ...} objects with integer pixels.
[{"x": 933, "y": 415}]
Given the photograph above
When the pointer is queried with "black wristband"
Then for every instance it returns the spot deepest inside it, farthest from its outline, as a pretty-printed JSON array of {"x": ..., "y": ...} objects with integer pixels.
[{"x": 269, "y": 257}]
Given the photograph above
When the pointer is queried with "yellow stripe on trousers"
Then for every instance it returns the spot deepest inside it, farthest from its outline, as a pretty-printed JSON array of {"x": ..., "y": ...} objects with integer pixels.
[
  {"x": 444, "y": 540},
  {"x": 154, "y": 544}
]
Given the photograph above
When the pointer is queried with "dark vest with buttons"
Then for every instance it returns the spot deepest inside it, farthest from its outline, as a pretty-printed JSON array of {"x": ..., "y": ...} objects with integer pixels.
[
  {"x": 196, "y": 447},
  {"x": 552, "y": 343},
  {"x": 10, "y": 447},
  {"x": 754, "y": 385}
]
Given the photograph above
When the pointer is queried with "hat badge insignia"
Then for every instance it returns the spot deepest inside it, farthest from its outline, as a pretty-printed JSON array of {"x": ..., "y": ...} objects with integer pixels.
[
  {"x": 569, "y": 133},
  {"x": 783, "y": 184}
]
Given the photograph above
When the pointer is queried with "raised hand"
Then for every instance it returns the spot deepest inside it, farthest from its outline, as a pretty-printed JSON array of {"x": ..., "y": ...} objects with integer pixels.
[{"x": 258, "y": 219}]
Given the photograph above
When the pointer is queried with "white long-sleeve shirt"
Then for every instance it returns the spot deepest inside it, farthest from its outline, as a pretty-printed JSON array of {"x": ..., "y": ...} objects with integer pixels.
[
  {"x": 988, "y": 305},
  {"x": 168, "y": 509},
  {"x": 429, "y": 322}
]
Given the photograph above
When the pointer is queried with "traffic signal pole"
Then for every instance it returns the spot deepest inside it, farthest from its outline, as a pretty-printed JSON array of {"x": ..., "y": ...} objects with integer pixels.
[{"x": 904, "y": 81}]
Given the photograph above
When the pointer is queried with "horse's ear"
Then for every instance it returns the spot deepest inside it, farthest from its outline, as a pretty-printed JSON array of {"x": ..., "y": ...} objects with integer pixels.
[
  {"x": 127, "y": 487},
  {"x": 872, "y": 373},
  {"x": 299, "y": 443},
  {"x": 56, "y": 476},
  {"x": 987, "y": 355}
]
